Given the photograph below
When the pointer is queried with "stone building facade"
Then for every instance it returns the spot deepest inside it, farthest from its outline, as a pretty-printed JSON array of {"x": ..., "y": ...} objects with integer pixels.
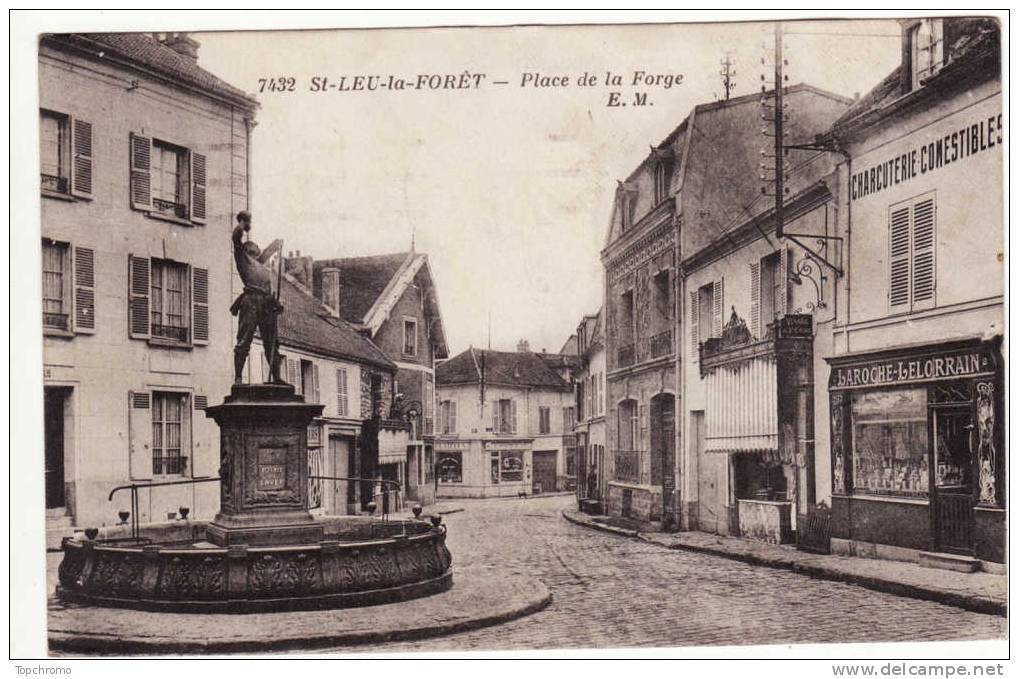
[
  {"x": 144, "y": 163},
  {"x": 910, "y": 411},
  {"x": 391, "y": 299},
  {"x": 505, "y": 425}
]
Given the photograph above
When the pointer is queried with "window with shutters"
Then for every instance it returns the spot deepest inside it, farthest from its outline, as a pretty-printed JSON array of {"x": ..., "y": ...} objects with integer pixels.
[
  {"x": 912, "y": 239},
  {"x": 771, "y": 291},
  {"x": 447, "y": 415},
  {"x": 308, "y": 379},
  {"x": 170, "y": 179},
  {"x": 56, "y": 299},
  {"x": 926, "y": 50},
  {"x": 171, "y": 444},
  {"x": 65, "y": 154},
  {"x": 544, "y": 420},
  {"x": 663, "y": 175},
  {"x": 169, "y": 301},
  {"x": 505, "y": 416},
  {"x": 55, "y": 151},
  {"x": 410, "y": 337},
  {"x": 342, "y": 404},
  {"x": 167, "y": 180}
]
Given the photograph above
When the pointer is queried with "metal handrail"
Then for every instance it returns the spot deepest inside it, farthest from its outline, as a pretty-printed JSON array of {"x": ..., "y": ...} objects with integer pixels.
[
  {"x": 134, "y": 496},
  {"x": 383, "y": 482}
]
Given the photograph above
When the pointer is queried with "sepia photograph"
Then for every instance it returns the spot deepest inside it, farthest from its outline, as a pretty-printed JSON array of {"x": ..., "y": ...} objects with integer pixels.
[{"x": 681, "y": 335}]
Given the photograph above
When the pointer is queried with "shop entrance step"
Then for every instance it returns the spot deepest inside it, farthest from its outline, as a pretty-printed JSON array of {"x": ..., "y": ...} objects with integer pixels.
[{"x": 951, "y": 562}]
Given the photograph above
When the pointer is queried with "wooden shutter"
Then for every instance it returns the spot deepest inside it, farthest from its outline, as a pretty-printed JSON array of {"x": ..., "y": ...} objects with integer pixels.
[
  {"x": 716, "y": 309},
  {"x": 513, "y": 416},
  {"x": 341, "y": 392},
  {"x": 139, "y": 275},
  {"x": 755, "y": 299},
  {"x": 200, "y": 305},
  {"x": 898, "y": 258},
  {"x": 140, "y": 434},
  {"x": 81, "y": 160},
  {"x": 782, "y": 287},
  {"x": 314, "y": 376},
  {"x": 204, "y": 452},
  {"x": 141, "y": 172},
  {"x": 452, "y": 417},
  {"x": 495, "y": 416},
  {"x": 198, "y": 211},
  {"x": 923, "y": 275},
  {"x": 84, "y": 290},
  {"x": 294, "y": 373},
  {"x": 694, "y": 320}
]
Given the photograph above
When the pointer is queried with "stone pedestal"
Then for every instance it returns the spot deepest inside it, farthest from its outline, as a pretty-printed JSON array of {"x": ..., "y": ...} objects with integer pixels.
[{"x": 264, "y": 468}]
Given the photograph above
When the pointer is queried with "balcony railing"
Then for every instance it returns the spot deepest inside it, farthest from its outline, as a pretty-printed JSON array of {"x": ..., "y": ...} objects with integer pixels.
[
  {"x": 661, "y": 344},
  {"x": 626, "y": 356},
  {"x": 169, "y": 465},
  {"x": 171, "y": 332},
  {"x": 57, "y": 321},
  {"x": 628, "y": 466},
  {"x": 54, "y": 183},
  {"x": 168, "y": 207}
]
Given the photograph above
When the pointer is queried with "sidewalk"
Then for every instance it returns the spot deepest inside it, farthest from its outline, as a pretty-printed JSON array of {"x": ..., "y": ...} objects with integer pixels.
[{"x": 978, "y": 592}]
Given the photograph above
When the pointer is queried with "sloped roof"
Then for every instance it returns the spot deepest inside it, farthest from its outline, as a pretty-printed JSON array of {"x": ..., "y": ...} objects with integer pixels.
[
  {"x": 973, "y": 49},
  {"x": 514, "y": 368},
  {"x": 561, "y": 360},
  {"x": 570, "y": 346},
  {"x": 362, "y": 280},
  {"x": 306, "y": 324},
  {"x": 144, "y": 50}
]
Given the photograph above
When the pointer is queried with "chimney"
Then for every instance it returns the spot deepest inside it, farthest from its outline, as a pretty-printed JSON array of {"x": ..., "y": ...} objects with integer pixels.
[
  {"x": 300, "y": 268},
  {"x": 331, "y": 288},
  {"x": 181, "y": 43},
  {"x": 523, "y": 346}
]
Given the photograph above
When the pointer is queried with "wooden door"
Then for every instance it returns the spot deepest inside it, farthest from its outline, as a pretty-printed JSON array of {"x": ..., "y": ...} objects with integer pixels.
[
  {"x": 54, "y": 443},
  {"x": 543, "y": 474}
]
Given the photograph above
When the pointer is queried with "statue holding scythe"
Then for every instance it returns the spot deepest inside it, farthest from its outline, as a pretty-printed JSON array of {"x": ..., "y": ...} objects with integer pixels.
[{"x": 257, "y": 307}]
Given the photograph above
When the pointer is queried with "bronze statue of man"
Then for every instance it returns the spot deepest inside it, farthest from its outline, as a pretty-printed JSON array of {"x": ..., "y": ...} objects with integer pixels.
[{"x": 256, "y": 307}]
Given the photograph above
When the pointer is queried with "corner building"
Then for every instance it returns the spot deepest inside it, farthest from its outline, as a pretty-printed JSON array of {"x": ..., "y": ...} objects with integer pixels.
[
  {"x": 914, "y": 407},
  {"x": 143, "y": 165}
]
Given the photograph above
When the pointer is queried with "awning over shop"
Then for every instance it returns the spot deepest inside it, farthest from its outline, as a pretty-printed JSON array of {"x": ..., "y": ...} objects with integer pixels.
[
  {"x": 392, "y": 446},
  {"x": 741, "y": 413}
]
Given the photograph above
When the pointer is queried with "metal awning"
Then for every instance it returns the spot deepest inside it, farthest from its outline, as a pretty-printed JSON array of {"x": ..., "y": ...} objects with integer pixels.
[
  {"x": 392, "y": 446},
  {"x": 741, "y": 413}
]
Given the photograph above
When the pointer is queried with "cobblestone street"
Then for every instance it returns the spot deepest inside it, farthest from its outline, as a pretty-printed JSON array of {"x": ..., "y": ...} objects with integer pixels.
[{"x": 612, "y": 591}]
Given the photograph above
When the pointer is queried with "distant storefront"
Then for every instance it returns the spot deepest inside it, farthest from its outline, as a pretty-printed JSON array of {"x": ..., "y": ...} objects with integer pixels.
[{"x": 917, "y": 448}]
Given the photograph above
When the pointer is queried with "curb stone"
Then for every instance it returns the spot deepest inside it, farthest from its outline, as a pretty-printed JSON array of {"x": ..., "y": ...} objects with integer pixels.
[
  {"x": 117, "y": 642},
  {"x": 974, "y": 603}
]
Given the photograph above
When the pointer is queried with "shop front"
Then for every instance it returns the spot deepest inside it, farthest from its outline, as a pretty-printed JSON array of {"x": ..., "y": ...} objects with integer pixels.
[
  {"x": 917, "y": 452},
  {"x": 757, "y": 413}
]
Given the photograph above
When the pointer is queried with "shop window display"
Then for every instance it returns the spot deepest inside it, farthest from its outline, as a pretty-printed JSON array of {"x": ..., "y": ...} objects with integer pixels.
[{"x": 890, "y": 446}]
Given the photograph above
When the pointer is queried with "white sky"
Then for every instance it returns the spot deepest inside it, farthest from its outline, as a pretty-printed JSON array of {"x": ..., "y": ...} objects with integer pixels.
[{"x": 509, "y": 189}]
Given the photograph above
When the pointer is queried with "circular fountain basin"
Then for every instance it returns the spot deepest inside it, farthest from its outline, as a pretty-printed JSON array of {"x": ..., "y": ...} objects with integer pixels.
[{"x": 171, "y": 567}]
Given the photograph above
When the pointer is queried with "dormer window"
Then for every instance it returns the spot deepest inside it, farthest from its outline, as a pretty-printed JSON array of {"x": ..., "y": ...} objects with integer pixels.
[{"x": 926, "y": 50}]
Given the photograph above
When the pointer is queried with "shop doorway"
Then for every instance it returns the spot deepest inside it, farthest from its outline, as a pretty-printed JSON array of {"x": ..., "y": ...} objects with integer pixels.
[
  {"x": 663, "y": 451},
  {"x": 544, "y": 474},
  {"x": 953, "y": 479},
  {"x": 56, "y": 401}
]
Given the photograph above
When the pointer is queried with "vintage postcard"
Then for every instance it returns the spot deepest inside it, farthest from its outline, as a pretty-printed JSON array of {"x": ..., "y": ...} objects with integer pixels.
[{"x": 543, "y": 336}]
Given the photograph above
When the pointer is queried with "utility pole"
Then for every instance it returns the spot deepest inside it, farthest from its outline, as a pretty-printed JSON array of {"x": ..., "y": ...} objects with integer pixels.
[
  {"x": 779, "y": 138},
  {"x": 728, "y": 72}
]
